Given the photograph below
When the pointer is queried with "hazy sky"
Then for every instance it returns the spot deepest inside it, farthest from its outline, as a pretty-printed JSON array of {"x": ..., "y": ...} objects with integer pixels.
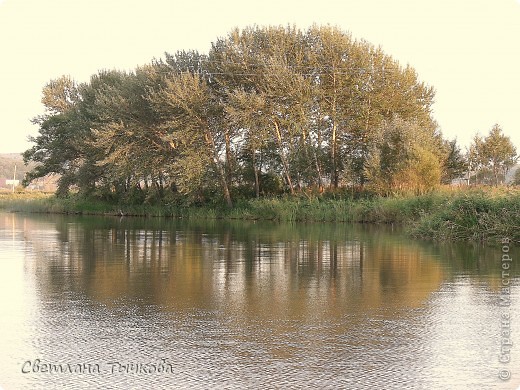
[{"x": 469, "y": 50}]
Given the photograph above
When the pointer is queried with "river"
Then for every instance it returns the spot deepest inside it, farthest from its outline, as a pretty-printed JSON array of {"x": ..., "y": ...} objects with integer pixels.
[{"x": 131, "y": 303}]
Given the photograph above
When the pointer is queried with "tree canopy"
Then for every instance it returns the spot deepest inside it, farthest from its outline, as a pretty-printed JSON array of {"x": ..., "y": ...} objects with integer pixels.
[
  {"x": 492, "y": 156},
  {"x": 267, "y": 110}
]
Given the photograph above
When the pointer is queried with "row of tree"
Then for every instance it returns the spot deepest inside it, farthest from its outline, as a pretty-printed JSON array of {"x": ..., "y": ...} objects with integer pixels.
[{"x": 268, "y": 110}]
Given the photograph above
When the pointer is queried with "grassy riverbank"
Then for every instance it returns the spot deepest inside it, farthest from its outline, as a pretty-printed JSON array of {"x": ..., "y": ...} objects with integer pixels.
[{"x": 465, "y": 214}]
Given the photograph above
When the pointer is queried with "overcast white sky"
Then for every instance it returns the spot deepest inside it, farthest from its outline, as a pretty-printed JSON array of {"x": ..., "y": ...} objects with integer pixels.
[{"x": 469, "y": 50}]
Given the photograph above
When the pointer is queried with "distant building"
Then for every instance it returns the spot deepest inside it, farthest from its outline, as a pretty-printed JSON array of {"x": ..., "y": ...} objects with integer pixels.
[
  {"x": 459, "y": 181},
  {"x": 8, "y": 183},
  {"x": 470, "y": 177},
  {"x": 11, "y": 182},
  {"x": 510, "y": 175},
  {"x": 45, "y": 184}
]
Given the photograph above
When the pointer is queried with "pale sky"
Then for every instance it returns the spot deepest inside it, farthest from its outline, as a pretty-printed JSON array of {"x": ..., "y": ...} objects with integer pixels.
[{"x": 468, "y": 50}]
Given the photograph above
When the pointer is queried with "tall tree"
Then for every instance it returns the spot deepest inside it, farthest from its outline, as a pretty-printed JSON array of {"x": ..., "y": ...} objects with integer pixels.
[
  {"x": 133, "y": 151},
  {"x": 192, "y": 116},
  {"x": 60, "y": 147},
  {"x": 498, "y": 153},
  {"x": 405, "y": 159},
  {"x": 476, "y": 159},
  {"x": 262, "y": 64},
  {"x": 310, "y": 108},
  {"x": 455, "y": 163},
  {"x": 333, "y": 68}
]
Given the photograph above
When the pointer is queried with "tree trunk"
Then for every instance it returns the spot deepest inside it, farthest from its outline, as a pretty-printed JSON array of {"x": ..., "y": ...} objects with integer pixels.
[
  {"x": 228, "y": 158},
  {"x": 257, "y": 180},
  {"x": 334, "y": 172},
  {"x": 317, "y": 163},
  {"x": 220, "y": 169},
  {"x": 333, "y": 156},
  {"x": 285, "y": 163}
]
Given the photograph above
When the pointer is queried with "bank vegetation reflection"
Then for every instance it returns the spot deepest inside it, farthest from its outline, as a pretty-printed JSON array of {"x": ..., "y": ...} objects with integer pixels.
[{"x": 306, "y": 269}]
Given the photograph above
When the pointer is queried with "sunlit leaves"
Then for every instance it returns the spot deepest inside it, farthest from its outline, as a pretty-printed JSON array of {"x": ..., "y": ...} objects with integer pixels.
[
  {"x": 303, "y": 108},
  {"x": 495, "y": 153}
]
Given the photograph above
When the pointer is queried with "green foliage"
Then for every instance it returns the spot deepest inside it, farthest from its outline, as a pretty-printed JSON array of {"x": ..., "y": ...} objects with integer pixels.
[
  {"x": 471, "y": 215},
  {"x": 275, "y": 109},
  {"x": 406, "y": 159},
  {"x": 455, "y": 164},
  {"x": 62, "y": 144},
  {"x": 475, "y": 216},
  {"x": 492, "y": 156}
]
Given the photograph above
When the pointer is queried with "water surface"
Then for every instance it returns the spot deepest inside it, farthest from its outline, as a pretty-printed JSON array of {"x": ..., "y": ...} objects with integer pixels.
[{"x": 92, "y": 302}]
